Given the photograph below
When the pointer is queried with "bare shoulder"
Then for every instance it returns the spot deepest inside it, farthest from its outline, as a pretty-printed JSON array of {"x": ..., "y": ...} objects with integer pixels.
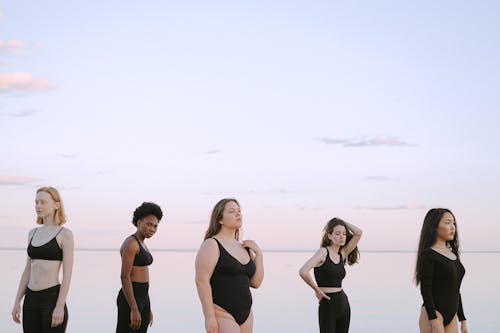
[
  {"x": 130, "y": 244},
  {"x": 66, "y": 233},
  {"x": 32, "y": 232},
  {"x": 209, "y": 245},
  {"x": 321, "y": 253},
  {"x": 320, "y": 256}
]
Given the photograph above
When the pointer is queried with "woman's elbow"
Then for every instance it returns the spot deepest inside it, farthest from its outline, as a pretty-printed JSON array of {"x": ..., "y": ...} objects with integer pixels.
[{"x": 256, "y": 284}]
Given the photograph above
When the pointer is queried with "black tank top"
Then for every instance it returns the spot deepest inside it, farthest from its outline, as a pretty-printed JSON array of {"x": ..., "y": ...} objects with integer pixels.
[
  {"x": 47, "y": 251},
  {"x": 330, "y": 274},
  {"x": 143, "y": 258}
]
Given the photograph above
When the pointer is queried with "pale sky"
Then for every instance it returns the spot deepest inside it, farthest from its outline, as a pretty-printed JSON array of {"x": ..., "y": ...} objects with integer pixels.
[{"x": 370, "y": 111}]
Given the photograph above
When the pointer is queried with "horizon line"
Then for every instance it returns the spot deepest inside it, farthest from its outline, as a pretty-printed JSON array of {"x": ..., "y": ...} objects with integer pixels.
[{"x": 98, "y": 249}]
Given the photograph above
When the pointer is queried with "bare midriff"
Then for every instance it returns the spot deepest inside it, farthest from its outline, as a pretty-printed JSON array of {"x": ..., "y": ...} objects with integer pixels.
[
  {"x": 139, "y": 274},
  {"x": 329, "y": 290},
  {"x": 44, "y": 274}
]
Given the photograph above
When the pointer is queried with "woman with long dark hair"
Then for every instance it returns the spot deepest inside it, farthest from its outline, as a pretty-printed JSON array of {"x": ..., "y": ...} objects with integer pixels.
[
  {"x": 225, "y": 270},
  {"x": 134, "y": 308},
  {"x": 338, "y": 248},
  {"x": 50, "y": 248},
  {"x": 439, "y": 273}
]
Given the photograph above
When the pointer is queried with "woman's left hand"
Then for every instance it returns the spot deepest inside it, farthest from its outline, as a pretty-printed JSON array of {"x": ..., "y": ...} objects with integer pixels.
[
  {"x": 463, "y": 326},
  {"x": 57, "y": 316},
  {"x": 150, "y": 318},
  {"x": 252, "y": 245}
]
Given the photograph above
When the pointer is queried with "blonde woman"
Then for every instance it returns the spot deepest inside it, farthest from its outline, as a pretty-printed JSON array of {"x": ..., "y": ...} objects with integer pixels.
[
  {"x": 225, "y": 270},
  {"x": 50, "y": 248}
]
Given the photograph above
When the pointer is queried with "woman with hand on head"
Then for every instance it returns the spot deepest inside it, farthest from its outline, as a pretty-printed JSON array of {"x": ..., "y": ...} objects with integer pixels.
[
  {"x": 225, "y": 270},
  {"x": 50, "y": 247},
  {"x": 439, "y": 273},
  {"x": 338, "y": 247},
  {"x": 134, "y": 310}
]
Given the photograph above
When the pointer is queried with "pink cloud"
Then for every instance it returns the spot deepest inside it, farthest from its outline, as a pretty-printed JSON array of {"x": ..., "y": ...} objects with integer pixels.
[
  {"x": 22, "y": 82},
  {"x": 12, "y": 47},
  {"x": 16, "y": 180}
]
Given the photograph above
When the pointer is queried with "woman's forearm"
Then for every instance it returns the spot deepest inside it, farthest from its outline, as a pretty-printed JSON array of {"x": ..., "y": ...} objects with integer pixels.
[
  {"x": 258, "y": 277},
  {"x": 23, "y": 284},
  {"x": 205, "y": 295},
  {"x": 128, "y": 292}
]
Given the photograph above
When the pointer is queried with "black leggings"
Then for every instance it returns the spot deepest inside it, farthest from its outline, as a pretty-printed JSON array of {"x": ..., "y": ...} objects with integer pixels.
[
  {"x": 334, "y": 314},
  {"x": 142, "y": 299},
  {"x": 37, "y": 311}
]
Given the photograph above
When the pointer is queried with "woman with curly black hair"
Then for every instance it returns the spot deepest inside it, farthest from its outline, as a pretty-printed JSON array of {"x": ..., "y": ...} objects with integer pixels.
[
  {"x": 134, "y": 311},
  {"x": 338, "y": 247},
  {"x": 439, "y": 273}
]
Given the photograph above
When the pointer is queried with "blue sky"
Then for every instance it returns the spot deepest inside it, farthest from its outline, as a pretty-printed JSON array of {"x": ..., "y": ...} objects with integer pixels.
[{"x": 374, "y": 112}]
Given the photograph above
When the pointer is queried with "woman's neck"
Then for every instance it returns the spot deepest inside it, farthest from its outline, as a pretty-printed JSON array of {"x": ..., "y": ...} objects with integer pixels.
[
  {"x": 334, "y": 248},
  {"x": 226, "y": 233},
  {"x": 49, "y": 221},
  {"x": 139, "y": 236},
  {"x": 440, "y": 244}
]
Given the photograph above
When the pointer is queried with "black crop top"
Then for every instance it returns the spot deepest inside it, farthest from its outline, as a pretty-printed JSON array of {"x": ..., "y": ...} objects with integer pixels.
[
  {"x": 47, "y": 251},
  {"x": 143, "y": 258},
  {"x": 330, "y": 274}
]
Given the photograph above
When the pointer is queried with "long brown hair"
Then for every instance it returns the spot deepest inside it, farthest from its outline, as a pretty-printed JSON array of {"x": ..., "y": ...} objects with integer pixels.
[
  {"x": 429, "y": 234},
  {"x": 217, "y": 214},
  {"x": 352, "y": 257},
  {"x": 59, "y": 215}
]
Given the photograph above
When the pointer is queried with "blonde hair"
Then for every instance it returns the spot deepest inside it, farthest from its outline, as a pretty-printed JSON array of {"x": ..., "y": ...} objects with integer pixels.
[{"x": 59, "y": 215}]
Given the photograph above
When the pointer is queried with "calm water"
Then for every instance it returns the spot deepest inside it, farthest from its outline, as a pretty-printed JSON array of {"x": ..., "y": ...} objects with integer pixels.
[{"x": 379, "y": 288}]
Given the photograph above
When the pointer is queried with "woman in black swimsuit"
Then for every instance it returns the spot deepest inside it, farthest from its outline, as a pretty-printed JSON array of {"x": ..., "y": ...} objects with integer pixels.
[
  {"x": 134, "y": 310},
  {"x": 225, "y": 271},
  {"x": 50, "y": 247},
  {"x": 439, "y": 273},
  {"x": 338, "y": 247}
]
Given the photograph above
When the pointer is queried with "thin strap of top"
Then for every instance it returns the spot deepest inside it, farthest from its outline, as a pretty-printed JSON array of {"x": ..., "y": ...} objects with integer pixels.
[
  {"x": 59, "y": 231},
  {"x": 137, "y": 239},
  {"x": 36, "y": 229}
]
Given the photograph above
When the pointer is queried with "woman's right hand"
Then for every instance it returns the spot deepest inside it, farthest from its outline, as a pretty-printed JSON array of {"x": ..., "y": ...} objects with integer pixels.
[
  {"x": 320, "y": 295},
  {"x": 135, "y": 319},
  {"x": 211, "y": 325},
  {"x": 16, "y": 313}
]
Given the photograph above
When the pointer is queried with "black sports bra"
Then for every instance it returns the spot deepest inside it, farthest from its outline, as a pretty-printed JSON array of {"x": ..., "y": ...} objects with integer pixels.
[
  {"x": 330, "y": 274},
  {"x": 143, "y": 258},
  {"x": 47, "y": 251}
]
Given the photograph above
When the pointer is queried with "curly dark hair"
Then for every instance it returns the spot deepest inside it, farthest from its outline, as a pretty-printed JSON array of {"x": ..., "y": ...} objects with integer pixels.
[
  {"x": 146, "y": 209},
  {"x": 429, "y": 235},
  {"x": 352, "y": 257}
]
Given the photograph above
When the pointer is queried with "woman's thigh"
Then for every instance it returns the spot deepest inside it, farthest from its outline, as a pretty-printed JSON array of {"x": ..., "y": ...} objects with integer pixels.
[
  {"x": 424, "y": 323},
  {"x": 452, "y": 327}
]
